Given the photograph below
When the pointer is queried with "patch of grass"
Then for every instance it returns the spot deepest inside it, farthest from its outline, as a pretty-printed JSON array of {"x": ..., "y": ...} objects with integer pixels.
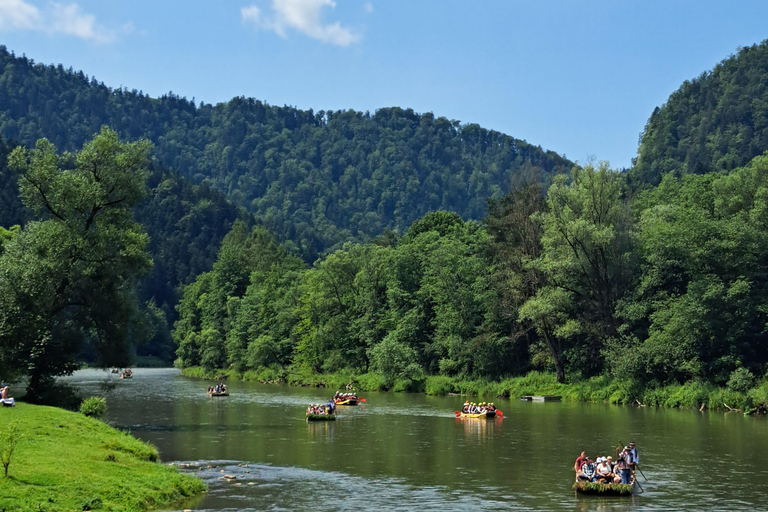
[{"x": 71, "y": 461}]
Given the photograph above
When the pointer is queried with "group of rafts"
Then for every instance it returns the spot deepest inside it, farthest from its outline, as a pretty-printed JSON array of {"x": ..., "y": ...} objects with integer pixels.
[
  {"x": 483, "y": 410},
  {"x": 327, "y": 412}
]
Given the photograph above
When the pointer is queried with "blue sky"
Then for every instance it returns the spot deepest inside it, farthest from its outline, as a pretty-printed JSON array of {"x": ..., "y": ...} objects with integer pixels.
[{"x": 576, "y": 77}]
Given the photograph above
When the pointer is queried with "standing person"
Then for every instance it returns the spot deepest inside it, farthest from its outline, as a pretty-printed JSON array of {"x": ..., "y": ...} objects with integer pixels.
[
  {"x": 624, "y": 465},
  {"x": 635, "y": 457}
]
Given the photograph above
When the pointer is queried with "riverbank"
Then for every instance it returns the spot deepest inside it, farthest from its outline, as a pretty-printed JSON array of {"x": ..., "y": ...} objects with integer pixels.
[
  {"x": 602, "y": 389},
  {"x": 65, "y": 461}
]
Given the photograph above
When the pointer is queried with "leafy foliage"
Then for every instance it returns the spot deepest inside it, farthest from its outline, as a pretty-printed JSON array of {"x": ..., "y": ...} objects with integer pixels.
[
  {"x": 715, "y": 122},
  {"x": 318, "y": 179},
  {"x": 94, "y": 406},
  {"x": 70, "y": 276}
]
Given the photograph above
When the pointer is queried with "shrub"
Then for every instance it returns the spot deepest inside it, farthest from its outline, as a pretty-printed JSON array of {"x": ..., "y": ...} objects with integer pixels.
[
  {"x": 8, "y": 441},
  {"x": 94, "y": 407},
  {"x": 741, "y": 380},
  {"x": 439, "y": 385}
]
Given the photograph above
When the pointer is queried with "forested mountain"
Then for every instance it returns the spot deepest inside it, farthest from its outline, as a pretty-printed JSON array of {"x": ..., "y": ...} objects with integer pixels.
[
  {"x": 317, "y": 179},
  {"x": 718, "y": 121}
]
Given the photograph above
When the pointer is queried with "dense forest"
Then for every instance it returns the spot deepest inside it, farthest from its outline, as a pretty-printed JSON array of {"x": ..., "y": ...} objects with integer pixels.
[
  {"x": 410, "y": 246},
  {"x": 715, "y": 122},
  {"x": 316, "y": 179},
  {"x": 186, "y": 224},
  {"x": 668, "y": 287},
  {"x": 655, "y": 276}
]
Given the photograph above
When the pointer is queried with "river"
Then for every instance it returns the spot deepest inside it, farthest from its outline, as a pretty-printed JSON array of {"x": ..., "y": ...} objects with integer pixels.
[{"x": 403, "y": 451}]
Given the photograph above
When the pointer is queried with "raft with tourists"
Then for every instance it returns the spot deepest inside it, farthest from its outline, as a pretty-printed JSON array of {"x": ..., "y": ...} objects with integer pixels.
[
  {"x": 347, "y": 398},
  {"x": 317, "y": 412},
  {"x": 605, "y": 477},
  {"x": 127, "y": 374},
  {"x": 218, "y": 390},
  {"x": 481, "y": 410}
]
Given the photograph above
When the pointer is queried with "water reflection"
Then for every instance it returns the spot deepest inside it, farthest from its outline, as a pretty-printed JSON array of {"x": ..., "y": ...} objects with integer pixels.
[
  {"x": 407, "y": 451},
  {"x": 479, "y": 429}
]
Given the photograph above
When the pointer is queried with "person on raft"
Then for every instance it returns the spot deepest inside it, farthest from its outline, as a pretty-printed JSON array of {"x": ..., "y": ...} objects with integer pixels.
[
  {"x": 472, "y": 408},
  {"x": 588, "y": 471},
  {"x": 319, "y": 409},
  {"x": 624, "y": 465}
]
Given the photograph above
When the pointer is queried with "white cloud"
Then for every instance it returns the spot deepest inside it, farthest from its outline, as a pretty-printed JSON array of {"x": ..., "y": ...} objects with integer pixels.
[
  {"x": 369, "y": 7},
  {"x": 19, "y": 14},
  {"x": 303, "y": 16},
  {"x": 56, "y": 18}
]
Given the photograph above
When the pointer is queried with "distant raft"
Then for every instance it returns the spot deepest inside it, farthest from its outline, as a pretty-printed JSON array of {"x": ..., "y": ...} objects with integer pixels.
[
  {"x": 484, "y": 414},
  {"x": 220, "y": 393},
  {"x": 602, "y": 489},
  {"x": 346, "y": 401},
  {"x": 321, "y": 417}
]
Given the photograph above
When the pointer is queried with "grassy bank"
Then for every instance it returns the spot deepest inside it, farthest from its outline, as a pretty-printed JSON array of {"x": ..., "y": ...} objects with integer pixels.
[
  {"x": 65, "y": 461},
  {"x": 596, "y": 389}
]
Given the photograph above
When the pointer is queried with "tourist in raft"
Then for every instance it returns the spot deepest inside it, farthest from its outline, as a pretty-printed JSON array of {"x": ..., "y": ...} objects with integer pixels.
[
  {"x": 635, "y": 457},
  {"x": 580, "y": 461},
  {"x": 587, "y": 472},
  {"x": 624, "y": 465},
  {"x": 604, "y": 471}
]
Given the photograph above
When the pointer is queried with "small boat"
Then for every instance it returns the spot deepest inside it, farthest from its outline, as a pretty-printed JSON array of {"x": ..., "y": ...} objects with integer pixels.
[
  {"x": 584, "y": 487},
  {"x": 127, "y": 375},
  {"x": 321, "y": 417},
  {"x": 220, "y": 393},
  {"x": 485, "y": 414},
  {"x": 346, "y": 401}
]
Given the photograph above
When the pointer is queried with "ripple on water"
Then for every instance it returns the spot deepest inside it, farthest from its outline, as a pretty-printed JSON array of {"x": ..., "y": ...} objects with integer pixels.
[{"x": 293, "y": 488}]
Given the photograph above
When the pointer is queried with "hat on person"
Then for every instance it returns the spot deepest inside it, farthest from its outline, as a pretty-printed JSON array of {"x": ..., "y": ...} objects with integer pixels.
[
  {"x": 626, "y": 447},
  {"x": 632, "y": 443}
]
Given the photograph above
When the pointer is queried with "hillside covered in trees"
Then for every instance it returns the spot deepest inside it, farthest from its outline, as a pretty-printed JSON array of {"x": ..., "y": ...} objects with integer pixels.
[
  {"x": 655, "y": 277},
  {"x": 715, "y": 122},
  {"x": 317, "y": 179}
]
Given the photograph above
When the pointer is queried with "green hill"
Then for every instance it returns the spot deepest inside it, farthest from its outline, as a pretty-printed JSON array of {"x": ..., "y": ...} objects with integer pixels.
[
  {"x": 717, "y": 121},
  {"x": 317, "y": 179}
]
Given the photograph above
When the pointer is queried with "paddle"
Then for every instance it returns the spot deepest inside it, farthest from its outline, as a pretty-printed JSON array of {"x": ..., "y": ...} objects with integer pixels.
[
  {"x": 458, "y": 413},
  {"x": 361, "y": 399},
  {"x": 499, "y": 414}
]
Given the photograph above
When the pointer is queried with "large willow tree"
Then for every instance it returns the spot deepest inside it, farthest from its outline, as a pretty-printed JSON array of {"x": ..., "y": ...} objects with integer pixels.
[{"x": 68, "y": 279}]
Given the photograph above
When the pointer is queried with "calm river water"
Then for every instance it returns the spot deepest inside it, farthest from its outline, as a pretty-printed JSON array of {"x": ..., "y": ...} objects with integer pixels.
[{"x": 408, "y": 452}]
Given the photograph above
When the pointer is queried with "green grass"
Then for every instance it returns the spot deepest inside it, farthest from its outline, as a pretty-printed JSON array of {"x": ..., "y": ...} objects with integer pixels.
[
  {"x": 600, "y": 389},
  {"x": 66, "y": 461}
]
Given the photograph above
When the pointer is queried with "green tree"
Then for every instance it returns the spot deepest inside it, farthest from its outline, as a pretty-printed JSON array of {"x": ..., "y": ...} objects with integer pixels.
[
  {"x": 70, "y": 276},
  {"x": 587, "y": 263}
]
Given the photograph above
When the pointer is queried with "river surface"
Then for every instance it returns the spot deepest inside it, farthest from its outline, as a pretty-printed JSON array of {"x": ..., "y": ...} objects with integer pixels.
[{"x": 403, "y": 451}]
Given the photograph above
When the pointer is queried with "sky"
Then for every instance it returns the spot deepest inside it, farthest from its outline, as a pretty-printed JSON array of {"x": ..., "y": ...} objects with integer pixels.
[{"x": 576, "y": 77}]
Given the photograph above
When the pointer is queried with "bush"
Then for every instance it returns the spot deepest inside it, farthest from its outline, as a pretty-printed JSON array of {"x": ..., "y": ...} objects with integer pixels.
[
  {"x": 439, "y": 385},
  {"x": 8, "y": 441},
  {"x": 741, "y": 380},
  {"x": 94, "y": 407}
]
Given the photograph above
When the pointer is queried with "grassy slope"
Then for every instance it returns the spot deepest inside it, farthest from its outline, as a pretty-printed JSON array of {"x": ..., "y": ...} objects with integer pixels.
[
  {"x": 64, "y": 462},
  {"x": 596, "y": 389}
]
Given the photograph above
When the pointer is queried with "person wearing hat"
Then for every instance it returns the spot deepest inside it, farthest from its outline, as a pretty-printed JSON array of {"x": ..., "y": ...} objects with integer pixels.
[
  {"x": 604, "y": 473},
  {"x": 633, "y": 452},
  {"x": 625, "y": 469}
]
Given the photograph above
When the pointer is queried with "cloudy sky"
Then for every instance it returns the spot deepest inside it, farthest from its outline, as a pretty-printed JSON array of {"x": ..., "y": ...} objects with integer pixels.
[{"x": 576, "y": 77}]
